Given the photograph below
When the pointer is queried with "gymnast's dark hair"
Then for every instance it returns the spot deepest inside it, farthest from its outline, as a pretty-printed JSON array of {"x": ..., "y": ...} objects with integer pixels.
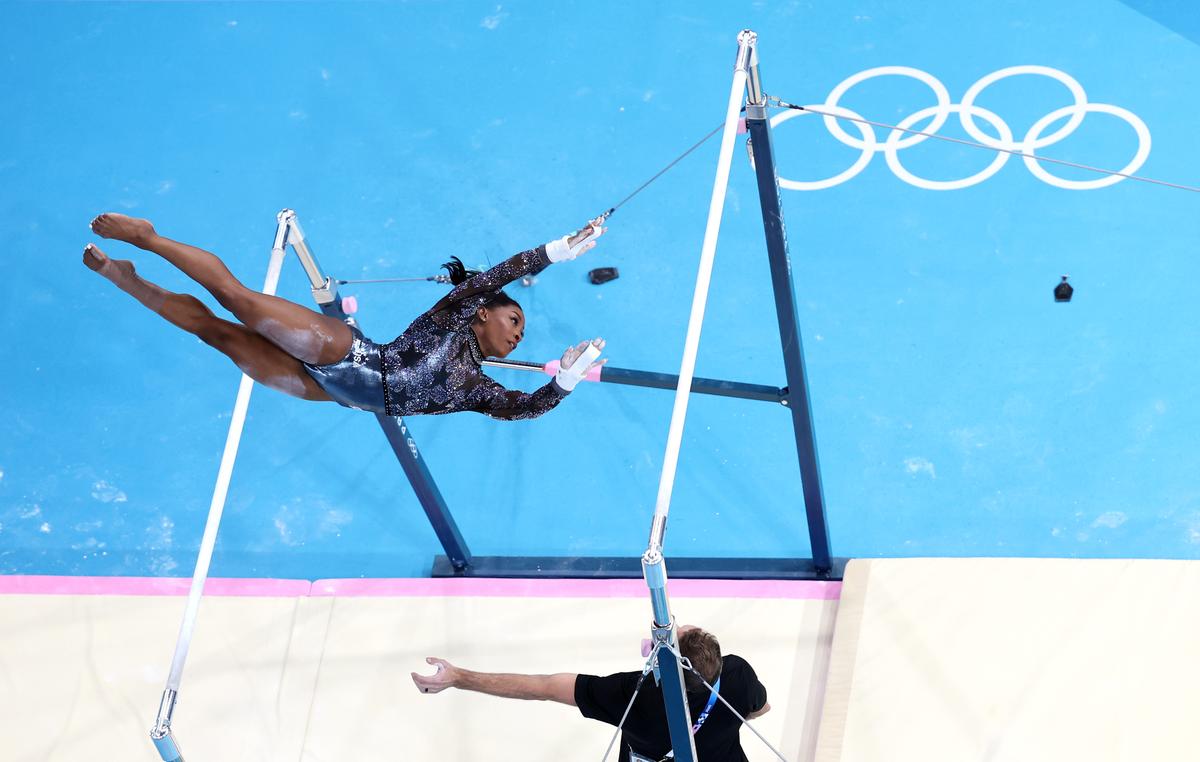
[{"x": 460, "y": 274}]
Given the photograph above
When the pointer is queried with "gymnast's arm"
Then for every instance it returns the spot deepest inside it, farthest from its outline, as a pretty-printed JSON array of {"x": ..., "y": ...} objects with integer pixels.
[
  {"x": 558, "y": 687},
  {"x": 490, "y": 398},
  {"x": 494, "y": 401},
  {"x": 487, "y": 283},
  {"x": 458, "y": 307}
]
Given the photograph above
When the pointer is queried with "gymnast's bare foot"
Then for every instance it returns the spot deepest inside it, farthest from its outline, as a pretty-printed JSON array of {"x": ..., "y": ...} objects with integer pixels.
[
  {"x": 123, "y": 228},
  {"x": 98, "y": 261},
  {"x": 122, "y": 273}
]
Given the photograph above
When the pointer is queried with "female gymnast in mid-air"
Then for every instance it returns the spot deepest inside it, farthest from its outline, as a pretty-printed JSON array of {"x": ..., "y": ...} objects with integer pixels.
[{"x": 433, "y": 367}]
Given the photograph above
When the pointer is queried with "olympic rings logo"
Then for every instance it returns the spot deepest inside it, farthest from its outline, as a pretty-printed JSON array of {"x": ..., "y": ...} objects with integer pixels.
[{"x": 967, "y": 111}]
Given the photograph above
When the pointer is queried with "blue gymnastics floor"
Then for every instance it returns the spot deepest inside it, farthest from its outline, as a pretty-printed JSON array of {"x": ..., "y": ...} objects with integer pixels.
[{"x": 959, "y": 410}]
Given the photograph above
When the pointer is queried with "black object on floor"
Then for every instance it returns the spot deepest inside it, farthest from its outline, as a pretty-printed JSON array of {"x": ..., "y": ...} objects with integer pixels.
[
  {"x": 603, "y": 275},
  {"x": 1063, "y": 291}
]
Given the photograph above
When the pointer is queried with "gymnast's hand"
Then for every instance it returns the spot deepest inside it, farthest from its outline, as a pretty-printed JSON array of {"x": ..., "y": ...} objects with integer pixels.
[
  {"x": 569, "y": 247},
  {"x": 593, "y": 226},
  {"x": 573, "y": 353},
  {"x": 577, "y": 361},
  {"x": 440, "y": 680}
]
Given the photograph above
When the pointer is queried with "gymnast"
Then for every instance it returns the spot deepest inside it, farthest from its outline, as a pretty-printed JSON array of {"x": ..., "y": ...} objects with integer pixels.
[{"x": 434, "y": 367}]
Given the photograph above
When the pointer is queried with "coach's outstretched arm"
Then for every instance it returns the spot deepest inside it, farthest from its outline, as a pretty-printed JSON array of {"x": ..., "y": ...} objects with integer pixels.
[{"x": 558, "y": 687}]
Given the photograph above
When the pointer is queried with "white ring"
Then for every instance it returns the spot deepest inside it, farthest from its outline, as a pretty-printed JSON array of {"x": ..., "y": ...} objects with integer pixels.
[
  {"x": 893, "y": 143},
  {"x": 1072, "y": 84},
  {"x": 1139, "y": 158},
  {"x": 864, "y": 158},
  {"x": 835, "y": 95}
]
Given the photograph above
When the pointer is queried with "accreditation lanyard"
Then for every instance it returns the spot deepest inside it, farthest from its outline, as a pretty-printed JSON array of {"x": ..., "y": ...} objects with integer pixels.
[{"x": 712, "y": 701}]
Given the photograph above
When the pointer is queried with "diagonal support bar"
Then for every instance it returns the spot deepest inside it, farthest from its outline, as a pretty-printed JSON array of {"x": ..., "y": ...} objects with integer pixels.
[
  {"x": 708, "y": 251},
  {"x": 428, "y": 494},
  {"x": 797, "y": 400},
  {"x": 161, "y": 734},
  {"x": 398, "y": 435}
]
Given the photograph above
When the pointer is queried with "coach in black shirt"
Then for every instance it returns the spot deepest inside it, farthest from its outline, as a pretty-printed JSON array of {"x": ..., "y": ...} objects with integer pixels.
[{"x": 645, "y": 733}]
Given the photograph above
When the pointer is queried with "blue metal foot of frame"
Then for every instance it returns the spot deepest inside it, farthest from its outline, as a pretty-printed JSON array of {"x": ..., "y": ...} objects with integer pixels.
[{"x": 630, "y": 567}]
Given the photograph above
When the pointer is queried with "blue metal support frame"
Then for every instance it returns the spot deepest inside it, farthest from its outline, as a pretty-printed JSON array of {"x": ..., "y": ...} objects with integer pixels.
[
  {"x": 650, "y": 380},
  {"x": 444, "y": 526},
  {"x": 627, "y": 567},
  {"x": 713, "y": 386},
  {"x": 668, "y": 671},
  {"x": 458, "y": 555},
  {"x": 324, "y": 289},
  {"x": 679, "y": 715},
  {"x": 797, "y": 399}
]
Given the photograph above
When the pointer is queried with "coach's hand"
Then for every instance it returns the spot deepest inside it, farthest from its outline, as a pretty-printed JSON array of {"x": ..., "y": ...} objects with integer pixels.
[{"x": 440, "y": 680}]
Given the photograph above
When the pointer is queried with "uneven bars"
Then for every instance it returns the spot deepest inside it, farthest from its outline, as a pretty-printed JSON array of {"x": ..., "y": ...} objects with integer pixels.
[{"x": 161, "y": 733}]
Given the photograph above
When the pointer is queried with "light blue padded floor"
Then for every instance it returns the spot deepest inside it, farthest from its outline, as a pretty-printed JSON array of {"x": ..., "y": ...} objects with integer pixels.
[{"x": 959, "y": 410}]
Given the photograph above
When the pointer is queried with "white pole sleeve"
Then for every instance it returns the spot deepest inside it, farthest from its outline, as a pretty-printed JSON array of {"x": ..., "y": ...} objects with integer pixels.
[
  {"x": 217, "y": 507},
  {"x": 699, "y": 300}
]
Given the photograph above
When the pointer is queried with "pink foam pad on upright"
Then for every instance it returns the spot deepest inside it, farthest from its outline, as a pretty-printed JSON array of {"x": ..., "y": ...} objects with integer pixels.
[
  {"x": 647, "y": 647},
  {"x": 349, "y": 305},
  {"x": 552, "y": 367},
  {"x": 742, "y": 127}
]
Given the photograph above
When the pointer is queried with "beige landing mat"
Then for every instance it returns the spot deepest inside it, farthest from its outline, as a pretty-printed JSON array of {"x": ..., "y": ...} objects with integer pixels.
[
  {"x": 326, "y": 678},
  {"x": 1015, "y": 660}
]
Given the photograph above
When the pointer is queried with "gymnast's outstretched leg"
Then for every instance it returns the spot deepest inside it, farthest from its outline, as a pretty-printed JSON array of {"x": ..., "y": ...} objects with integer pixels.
[
  {"x": 304, "y": 334},
  {"x": 258, "y": 358}
]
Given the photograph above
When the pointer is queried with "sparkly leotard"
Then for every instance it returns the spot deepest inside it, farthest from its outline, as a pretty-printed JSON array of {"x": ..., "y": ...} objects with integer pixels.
[{"x": 434, "y": 367}]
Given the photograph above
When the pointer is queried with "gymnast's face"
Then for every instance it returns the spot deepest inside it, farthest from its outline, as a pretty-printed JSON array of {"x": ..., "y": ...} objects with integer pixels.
[{"x": 499, "y": 329}]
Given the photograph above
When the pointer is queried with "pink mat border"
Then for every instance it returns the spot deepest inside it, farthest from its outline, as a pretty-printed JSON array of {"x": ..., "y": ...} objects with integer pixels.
[
  {"x": 415, "y": 588},
  {"x": 573, "y": 588},
  {"x": 48, "y": 585}
]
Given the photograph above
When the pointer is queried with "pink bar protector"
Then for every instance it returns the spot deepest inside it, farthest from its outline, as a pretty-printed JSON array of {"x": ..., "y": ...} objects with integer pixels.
[
  {"x": 349, "y": 304},
  {"x": 742, "y": 127},
  {"x": 552, "y": 367}
]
